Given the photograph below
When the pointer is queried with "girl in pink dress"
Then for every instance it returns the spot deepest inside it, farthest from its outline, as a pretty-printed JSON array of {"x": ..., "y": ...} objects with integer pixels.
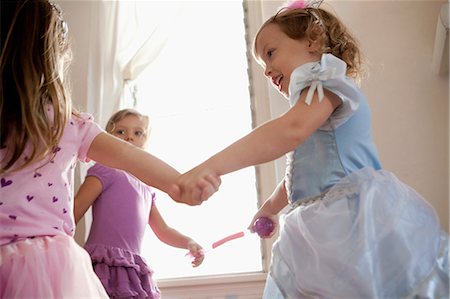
[
  {"x": 121, "y": 207},
  {"x": 41, "y": 140}
]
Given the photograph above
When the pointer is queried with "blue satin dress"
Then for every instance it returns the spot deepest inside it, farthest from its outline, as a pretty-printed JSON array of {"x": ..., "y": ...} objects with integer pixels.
[{"x": 354, "y": 230}]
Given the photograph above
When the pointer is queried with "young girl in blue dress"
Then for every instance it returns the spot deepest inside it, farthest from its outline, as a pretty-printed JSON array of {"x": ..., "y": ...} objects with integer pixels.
[{"x": 352, "y": 229}]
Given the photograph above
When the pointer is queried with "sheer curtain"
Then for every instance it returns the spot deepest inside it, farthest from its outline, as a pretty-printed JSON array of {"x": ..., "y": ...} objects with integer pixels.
[
  {"x": 126, "y": 38},
  {"x": 113, "y": 42}
]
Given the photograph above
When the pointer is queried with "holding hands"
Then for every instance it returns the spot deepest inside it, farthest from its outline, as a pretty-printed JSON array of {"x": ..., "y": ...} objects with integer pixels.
[{"x": 195, "y": 186}]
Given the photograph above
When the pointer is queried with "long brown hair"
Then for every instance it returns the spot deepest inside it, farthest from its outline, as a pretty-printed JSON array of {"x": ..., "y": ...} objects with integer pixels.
[
  {"x": 317, "y": 24},
  {"x": 34, "y": 51}
]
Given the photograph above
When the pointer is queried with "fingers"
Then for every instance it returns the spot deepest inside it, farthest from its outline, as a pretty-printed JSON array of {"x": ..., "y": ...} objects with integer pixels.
[
  {"x": 198, "y": 260},
  {"x": 251, "y": 226},
  {"x": 197, "y": 253},
  {"x": 175, "y": 193},
  {"x": 209, "y": 184},
  {"x": 194, "y": 187},
  {"x": 214, "y": 181}
]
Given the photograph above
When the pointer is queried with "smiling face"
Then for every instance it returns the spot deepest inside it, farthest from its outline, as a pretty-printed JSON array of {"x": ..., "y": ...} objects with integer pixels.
[
  {"x": 132, "y": 129},
  {"x": 279, "y": 55}
]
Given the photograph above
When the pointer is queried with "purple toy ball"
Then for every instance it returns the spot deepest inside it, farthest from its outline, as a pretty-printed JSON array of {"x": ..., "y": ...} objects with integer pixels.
[{"x": 263, "y": 226}]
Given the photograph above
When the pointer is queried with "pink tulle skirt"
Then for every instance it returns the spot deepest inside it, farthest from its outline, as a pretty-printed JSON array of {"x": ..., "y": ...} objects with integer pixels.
[{"x": 47, "y": 267}]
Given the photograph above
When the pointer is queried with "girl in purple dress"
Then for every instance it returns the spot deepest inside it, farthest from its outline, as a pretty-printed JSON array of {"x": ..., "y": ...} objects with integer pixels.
[{"x": 122, "y": 206}]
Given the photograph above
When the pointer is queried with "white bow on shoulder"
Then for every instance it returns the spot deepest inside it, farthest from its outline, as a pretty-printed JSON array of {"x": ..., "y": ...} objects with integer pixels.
[{"x": 314, "y": 74}]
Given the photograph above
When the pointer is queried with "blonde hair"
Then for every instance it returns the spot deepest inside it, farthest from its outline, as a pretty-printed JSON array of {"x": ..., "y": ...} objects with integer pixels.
[
  {"x": 319, "y": 25},
  {"x": 121, "y": 114},
  {"x": 34, "y": 50}
]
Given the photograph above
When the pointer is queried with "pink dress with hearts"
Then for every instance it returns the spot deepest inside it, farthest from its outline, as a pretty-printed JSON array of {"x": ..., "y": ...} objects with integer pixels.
[{"x": 38, "y": 256}]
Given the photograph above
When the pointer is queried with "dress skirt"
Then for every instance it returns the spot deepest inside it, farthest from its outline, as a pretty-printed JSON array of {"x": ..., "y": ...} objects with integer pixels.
[
  {"x": 47, "y": 267},
  {"x": 369, "y": 236},
  {"x": 124, "y": 274}
]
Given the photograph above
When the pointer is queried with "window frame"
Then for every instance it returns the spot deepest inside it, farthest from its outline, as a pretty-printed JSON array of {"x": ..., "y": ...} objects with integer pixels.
[{"x": 246, "y": 285}]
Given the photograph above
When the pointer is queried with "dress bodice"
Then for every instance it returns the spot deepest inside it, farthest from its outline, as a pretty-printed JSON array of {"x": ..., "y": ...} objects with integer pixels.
[
  {"x": 342, "y": 144},
  {"x": 121, "y": 212}
]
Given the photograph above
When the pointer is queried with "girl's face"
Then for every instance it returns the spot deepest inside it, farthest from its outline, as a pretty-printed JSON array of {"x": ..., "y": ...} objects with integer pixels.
[
  {"x": 132, "y": 129},
  {"x": 280, "y": 55}
]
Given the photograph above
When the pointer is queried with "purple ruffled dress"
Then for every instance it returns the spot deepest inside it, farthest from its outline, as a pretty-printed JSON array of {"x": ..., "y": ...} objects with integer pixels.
[{"x": 120, "y": 216}]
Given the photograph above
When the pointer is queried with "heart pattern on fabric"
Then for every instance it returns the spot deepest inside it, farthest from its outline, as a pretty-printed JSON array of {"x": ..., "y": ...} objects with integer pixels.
[{"x": 5, "y": 183}]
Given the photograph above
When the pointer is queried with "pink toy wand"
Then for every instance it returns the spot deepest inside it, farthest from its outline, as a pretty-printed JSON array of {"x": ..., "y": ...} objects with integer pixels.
[
  {"x": 220, "y": 242},
  {"x": 227, "y": 239},
  {"x": 263, "y": 227}
]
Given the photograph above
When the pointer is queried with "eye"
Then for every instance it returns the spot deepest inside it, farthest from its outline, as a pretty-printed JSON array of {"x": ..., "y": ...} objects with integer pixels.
[
  {"x": 139, "y": 133},
  {"x": 270, "y": 53},
  {"x": 120, "y": 132}
]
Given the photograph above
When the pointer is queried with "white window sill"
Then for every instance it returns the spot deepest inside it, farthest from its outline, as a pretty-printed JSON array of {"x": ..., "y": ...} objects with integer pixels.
[{"x": 237, "y": 286}]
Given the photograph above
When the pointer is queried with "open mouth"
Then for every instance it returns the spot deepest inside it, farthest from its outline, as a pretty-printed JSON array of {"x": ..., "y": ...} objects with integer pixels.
[{"x": 277, "y": 81}]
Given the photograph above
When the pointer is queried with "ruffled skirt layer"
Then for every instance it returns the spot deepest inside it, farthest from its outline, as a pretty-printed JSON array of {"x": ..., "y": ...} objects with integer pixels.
[
  {"x": 47, "y": 267},
  {"x": 124, "y": 274},
  {"x": 369, "y": 236}
]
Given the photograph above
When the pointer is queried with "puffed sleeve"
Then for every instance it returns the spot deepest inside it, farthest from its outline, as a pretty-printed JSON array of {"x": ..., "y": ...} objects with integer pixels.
[
  {"x": 328, "y": 73},
  {"x": 83, "y": 129},
  {"x": 104, "y": 174}
]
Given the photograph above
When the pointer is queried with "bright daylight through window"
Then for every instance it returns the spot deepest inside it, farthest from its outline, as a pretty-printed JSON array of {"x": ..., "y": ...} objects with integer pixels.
[{"x": 197, "y": 96}]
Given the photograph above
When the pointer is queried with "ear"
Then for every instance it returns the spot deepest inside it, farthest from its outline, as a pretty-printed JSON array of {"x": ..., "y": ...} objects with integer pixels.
[{"x": 313, "y": 46}]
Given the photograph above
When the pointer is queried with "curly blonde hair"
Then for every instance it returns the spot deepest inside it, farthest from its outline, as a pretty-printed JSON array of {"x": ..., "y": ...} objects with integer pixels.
[
  {"x": 319, "y": 25},
  {"x": 121, "y": 114}
]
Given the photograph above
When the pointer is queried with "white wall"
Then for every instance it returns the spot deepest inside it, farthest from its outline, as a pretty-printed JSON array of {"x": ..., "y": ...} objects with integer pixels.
[{"x": 410, "y": 103}]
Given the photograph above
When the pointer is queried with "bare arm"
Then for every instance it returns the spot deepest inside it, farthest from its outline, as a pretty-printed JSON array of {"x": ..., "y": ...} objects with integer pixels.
[
  {"x": 276, "y": 201},
  {"x": 267, "y": 142},
  {"x": 174, "y": 238},
  {"x": 275, "y": 138},
  {"x": 86, "y": 195},
  {"x": 116, "y": 153}
]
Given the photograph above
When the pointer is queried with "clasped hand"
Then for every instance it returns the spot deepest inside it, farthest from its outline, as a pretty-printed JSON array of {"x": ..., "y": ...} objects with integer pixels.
[{"x": 195, "y": 186}]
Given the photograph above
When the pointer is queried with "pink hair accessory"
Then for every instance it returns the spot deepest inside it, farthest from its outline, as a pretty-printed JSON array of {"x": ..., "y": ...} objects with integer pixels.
[
  {"x": 302, "y": 4},
  {"x": 299, "y": 4}
]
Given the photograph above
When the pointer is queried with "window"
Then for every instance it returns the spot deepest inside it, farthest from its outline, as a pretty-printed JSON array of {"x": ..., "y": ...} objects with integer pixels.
[{"x": 197, "y": 96}]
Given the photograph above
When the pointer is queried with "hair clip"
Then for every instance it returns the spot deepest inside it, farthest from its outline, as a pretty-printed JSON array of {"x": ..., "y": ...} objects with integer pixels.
[
  {"x": 302, "y": 4},
  {"x": 63, "y": 25}
]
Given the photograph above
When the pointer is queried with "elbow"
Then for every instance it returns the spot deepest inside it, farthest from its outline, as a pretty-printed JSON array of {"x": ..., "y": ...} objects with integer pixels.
[{"x": 297, "y": 133}]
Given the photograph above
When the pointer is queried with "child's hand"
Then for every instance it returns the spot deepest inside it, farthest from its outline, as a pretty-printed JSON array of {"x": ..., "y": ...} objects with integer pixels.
[
  {"x": 195, "y": 186},
  {"x": 196, "y": 252},
  {"x": 262, "y": 213}
]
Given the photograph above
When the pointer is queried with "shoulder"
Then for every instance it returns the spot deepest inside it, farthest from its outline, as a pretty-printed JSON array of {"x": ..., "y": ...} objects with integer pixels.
[
  {"x": 103, "y": 173},
  {"x": 81, "y": 129},
  {"x": 329, "y": 73}
]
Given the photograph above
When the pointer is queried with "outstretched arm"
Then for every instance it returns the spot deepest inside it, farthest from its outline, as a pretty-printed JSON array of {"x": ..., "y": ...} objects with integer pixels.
[
  {"x": 267, "y": 142},
  {"x": 116, "y": 153}
]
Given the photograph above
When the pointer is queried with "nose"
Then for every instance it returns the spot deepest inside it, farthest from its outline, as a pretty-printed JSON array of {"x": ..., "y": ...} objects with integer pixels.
[
  {"x": 129, "y": 137},
  {"x": 267, "y": 71}
]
